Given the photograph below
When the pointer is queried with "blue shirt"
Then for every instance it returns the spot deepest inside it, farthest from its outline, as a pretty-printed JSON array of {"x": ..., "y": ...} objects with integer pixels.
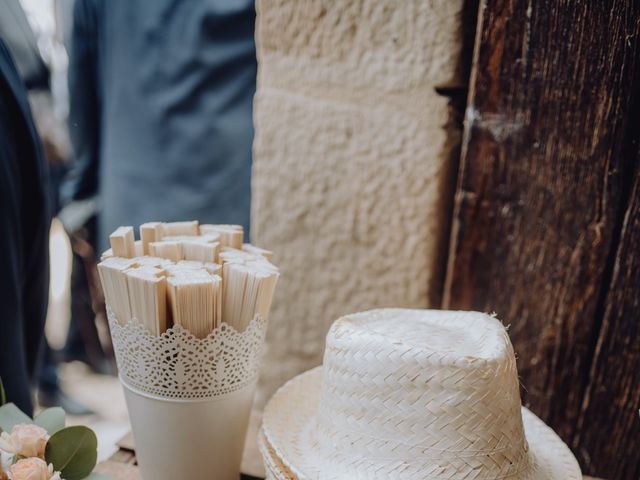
[{"x": 161, "y": 97}]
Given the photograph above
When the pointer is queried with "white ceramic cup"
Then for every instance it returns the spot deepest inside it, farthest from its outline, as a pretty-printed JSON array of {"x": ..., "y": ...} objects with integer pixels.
[{"x": 189, "y": 439}]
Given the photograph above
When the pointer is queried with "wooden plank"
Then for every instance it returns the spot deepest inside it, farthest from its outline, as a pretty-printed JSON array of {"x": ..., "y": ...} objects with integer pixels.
[
  {"x": 122, "y": 466},
  {"x": 127, "y": 442},
  {"x": 539, "y": 202},
  {"x": 124, "y": 471},
  {"x": 613, "y": 397}
]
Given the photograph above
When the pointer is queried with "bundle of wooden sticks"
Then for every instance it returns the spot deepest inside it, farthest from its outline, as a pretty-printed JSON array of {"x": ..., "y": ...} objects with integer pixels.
[{"x": 187, "y": 274}]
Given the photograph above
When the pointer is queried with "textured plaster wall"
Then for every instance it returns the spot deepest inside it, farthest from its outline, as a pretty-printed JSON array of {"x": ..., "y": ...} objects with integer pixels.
[{"x": 352, "y": 162}]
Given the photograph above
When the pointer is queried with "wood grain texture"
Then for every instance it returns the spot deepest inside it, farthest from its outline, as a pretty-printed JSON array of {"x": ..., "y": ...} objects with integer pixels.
[
  {"x": 546, "y": 159},
  {"x": 608, "y": 434},
  {"x": 123, "y": 466}
]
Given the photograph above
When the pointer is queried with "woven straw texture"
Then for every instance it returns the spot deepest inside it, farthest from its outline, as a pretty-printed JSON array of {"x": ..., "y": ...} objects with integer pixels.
[
  {"x": 273, "y": 466},
  {"x": 412, "y": 394}
]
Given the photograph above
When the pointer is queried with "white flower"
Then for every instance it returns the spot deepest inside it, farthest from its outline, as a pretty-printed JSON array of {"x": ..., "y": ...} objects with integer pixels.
[
  {"x": 26, "y": 440},
  {"x": 53, "y": 475},
  {"x": 5, "y": 443}
]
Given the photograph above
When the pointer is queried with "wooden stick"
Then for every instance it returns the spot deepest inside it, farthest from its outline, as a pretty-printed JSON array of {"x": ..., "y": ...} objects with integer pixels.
[
  {"x": 231, "y": 255},
  {"x": 150, "y": 232},
  {"x": 190, "y": 264},
  {"x": 179, "y": 280},
  {"x": 205, "y": 238},
  {"x": 180, "y": 228},
  {"x": 147, "y": 294},
  {"x": 235, "y": 279},
  {"x": 123, "y": 242},
  {"x": 247, "y": 247},
  {"x": 247, "y": 291},
  {"x": 187, "y": 271},
  {"x": 199, "y": 251},
  {"x": 114, "y": 283},
  {"x": 230, "y": 235},
  {"x": 171, "y": 250},
  {"x": 217, "y": 300},
  {"x": 148, "y": 261},
  {"x": 228, "y": 254},
  {"x": 192, "y": 303},
  {"x": 213, "y": 268}
]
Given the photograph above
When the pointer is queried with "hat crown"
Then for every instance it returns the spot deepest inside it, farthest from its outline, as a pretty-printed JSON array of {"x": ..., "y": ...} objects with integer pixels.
[{"x": 416, "y": 388}]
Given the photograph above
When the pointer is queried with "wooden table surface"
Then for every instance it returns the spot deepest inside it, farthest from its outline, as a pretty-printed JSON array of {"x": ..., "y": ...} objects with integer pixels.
[{"x": 122, "y": 466}]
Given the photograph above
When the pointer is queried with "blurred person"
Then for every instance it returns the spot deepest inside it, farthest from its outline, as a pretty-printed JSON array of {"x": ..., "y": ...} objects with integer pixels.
[
  {"x": 21, "y": 41},
  {"x": 79, "y": 195},
  {"x": 24, "y": 237},
  {"x": 87, "y": 305},
  {"x": 160, "y": 114},
  {"x": 79, "y": 220}
]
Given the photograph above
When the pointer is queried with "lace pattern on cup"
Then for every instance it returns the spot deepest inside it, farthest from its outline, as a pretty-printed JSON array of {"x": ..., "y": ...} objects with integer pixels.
[{"x": 177, "y": 365}]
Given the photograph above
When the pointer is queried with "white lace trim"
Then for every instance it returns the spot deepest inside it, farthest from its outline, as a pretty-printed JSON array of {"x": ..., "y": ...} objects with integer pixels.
[{"x": 178, "y": 365}]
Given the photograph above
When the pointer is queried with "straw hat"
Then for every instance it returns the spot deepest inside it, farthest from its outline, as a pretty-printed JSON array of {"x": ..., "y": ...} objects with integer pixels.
[{"x": 411, "y": 394}]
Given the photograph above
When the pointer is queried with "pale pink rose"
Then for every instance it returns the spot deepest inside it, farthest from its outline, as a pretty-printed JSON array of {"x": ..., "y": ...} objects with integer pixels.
[
  {"x": 25, "y": 440},
  {"x": 30, "y": 469}
]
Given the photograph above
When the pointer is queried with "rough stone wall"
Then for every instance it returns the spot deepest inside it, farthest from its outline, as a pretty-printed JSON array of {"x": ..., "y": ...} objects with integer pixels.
[{"x": 352, "y": 162}]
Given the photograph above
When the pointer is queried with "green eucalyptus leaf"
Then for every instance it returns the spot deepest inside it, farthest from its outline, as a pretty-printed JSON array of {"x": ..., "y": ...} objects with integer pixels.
[
  {"x": 10, "y": 415},
  {"x": 3, "y": 395},
  {"x": 73, "y": 452},
  {"x": 51, "y": 419},
  {"x": 98, "y": 476}
]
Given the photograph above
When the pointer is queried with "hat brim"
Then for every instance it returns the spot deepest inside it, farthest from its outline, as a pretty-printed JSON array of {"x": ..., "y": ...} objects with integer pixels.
[
  {"x": 273, "y": 466},
  {"x": 288, "y": 427}
]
